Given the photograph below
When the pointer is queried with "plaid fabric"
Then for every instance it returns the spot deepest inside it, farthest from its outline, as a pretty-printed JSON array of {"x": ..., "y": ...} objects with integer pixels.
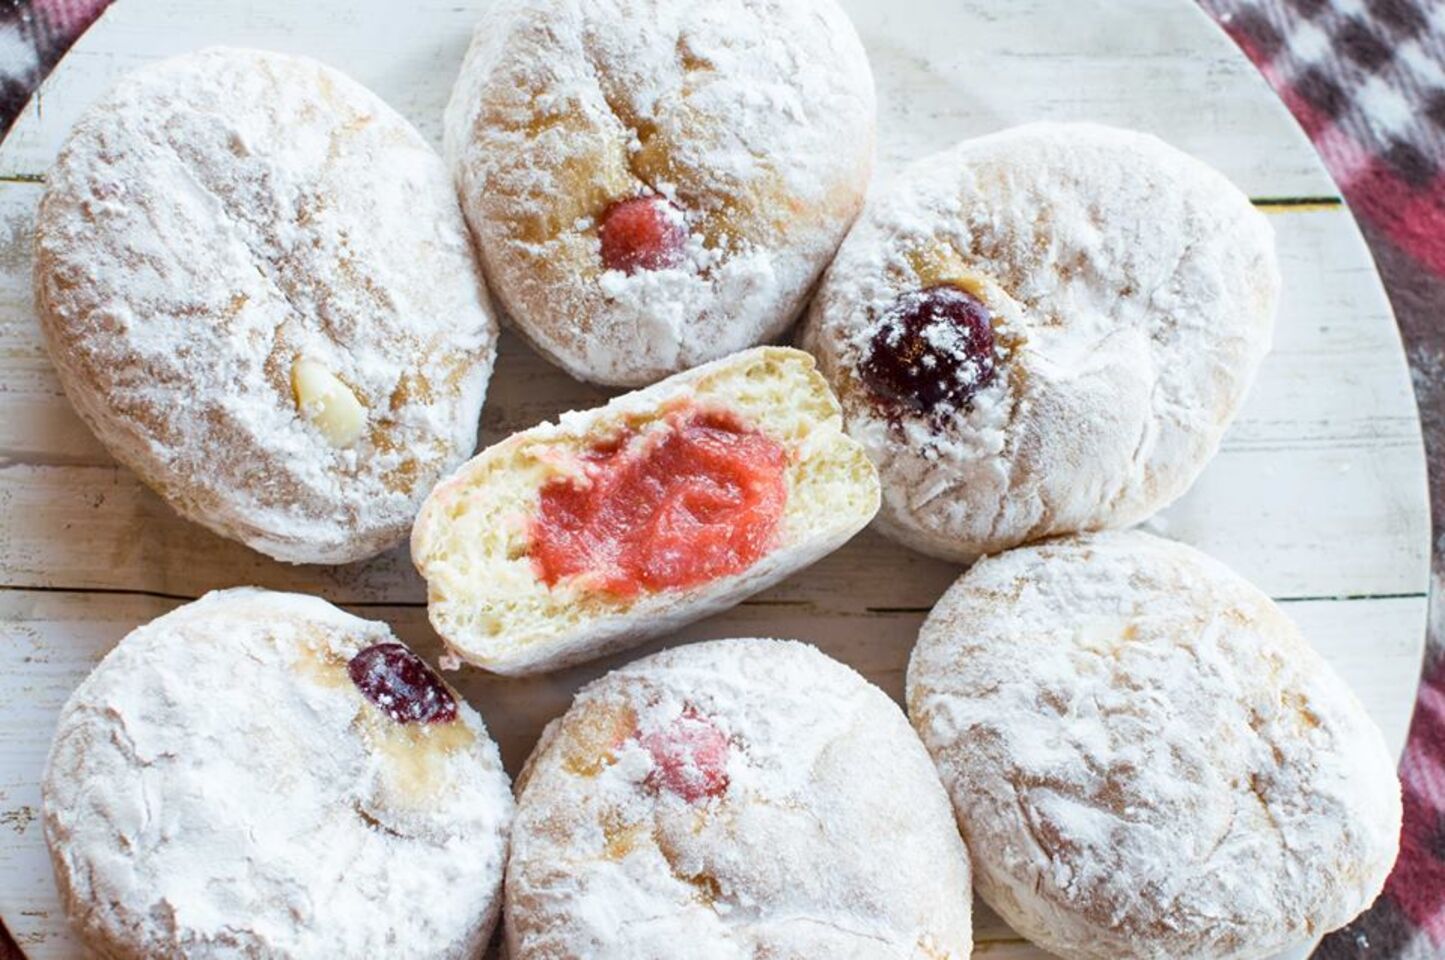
[{"x": 1366, "y": 79}]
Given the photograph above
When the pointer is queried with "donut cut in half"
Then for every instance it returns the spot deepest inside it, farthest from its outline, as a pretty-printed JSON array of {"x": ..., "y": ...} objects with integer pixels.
[{"x": 574, "y": 539}]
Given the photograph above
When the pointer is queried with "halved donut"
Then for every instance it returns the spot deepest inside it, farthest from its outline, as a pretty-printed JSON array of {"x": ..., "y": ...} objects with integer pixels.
[{"x": 573, "y": 539}]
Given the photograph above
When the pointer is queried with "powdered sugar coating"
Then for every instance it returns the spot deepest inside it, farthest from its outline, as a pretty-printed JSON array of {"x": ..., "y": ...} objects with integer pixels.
[
  {"x": 219, "y": 788},
  {"x": 828, "y": 835},
  {"x": 1146, "y": 758},
  {"x": 219, "y": 217},
  {"x": 1133, "y": 292},
  {"x": 754, "y": 117}
]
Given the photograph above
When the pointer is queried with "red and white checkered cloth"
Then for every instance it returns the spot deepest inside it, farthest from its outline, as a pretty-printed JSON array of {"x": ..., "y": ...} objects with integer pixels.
[{"x": 1366, "y": 79}]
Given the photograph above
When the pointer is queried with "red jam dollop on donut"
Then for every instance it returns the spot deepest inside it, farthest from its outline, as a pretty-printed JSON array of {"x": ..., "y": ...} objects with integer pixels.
[
  {"x": 690, "y": 758},
  {"x": 643, "y": 233},
  {"x": 401, "y": 685},
  {"x": 700, "y": 499},
  {"x": 932, "y": 352}
]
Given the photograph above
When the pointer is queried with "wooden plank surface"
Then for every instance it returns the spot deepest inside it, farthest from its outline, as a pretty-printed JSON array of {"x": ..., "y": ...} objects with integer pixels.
[{"x": 1318, "y": 494}]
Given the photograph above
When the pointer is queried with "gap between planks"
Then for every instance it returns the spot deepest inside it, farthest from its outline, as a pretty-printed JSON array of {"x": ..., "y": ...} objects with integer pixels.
[
  {"x": 1323, "y": 598},
  {"x": 757, "y": 603},
  {"x": 1296, "y": 204}
]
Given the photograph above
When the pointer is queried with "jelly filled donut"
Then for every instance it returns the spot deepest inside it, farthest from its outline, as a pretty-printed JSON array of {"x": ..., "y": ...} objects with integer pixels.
[
  {"x": 1044, "y": 331},
  {"x": 257, "y": 287},
  {"x": 570, "y": 540},
  {"x": 734, "y": 800},
  {"x": 1147, "y": 760},
  {"x": 654, "y": 184},
  {"x": 262, "y": 775}
]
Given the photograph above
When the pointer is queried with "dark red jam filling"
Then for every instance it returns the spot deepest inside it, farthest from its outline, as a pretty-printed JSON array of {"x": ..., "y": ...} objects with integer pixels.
[
  {"x": 401, "y": 685},
  {"x": 932, "y": 353}
]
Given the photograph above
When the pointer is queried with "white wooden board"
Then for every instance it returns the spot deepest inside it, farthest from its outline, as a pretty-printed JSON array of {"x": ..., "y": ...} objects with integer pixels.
[{"x": 1318, "y": 495}]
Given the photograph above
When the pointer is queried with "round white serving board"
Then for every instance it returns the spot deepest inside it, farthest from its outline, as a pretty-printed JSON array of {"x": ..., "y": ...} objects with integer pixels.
[{"x": 1318, "y": 494}]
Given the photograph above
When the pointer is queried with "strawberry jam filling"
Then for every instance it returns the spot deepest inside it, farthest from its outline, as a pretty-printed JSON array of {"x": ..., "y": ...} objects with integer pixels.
[
  {"x": 401, "y": 685},
  {"x": 643, "y": 233},
  {"x": 689, "y": 757},
  {"x": 698, "y": 500}
]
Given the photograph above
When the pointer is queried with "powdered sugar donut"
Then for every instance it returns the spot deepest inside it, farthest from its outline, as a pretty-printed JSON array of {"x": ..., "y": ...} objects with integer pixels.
[
  {"x": 1146, "y": 758},
  {"x": 1044, "y": 331},
  {"x": 260, "y": 774},
  {"x": 654, "y": 184},
  {"x": 257, "y": 286},
  {"x": 746, "y": 798}
]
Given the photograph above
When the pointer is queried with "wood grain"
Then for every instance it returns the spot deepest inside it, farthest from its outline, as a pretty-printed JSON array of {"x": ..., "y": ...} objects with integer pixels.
[{"x": 1318, "y": 493}]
